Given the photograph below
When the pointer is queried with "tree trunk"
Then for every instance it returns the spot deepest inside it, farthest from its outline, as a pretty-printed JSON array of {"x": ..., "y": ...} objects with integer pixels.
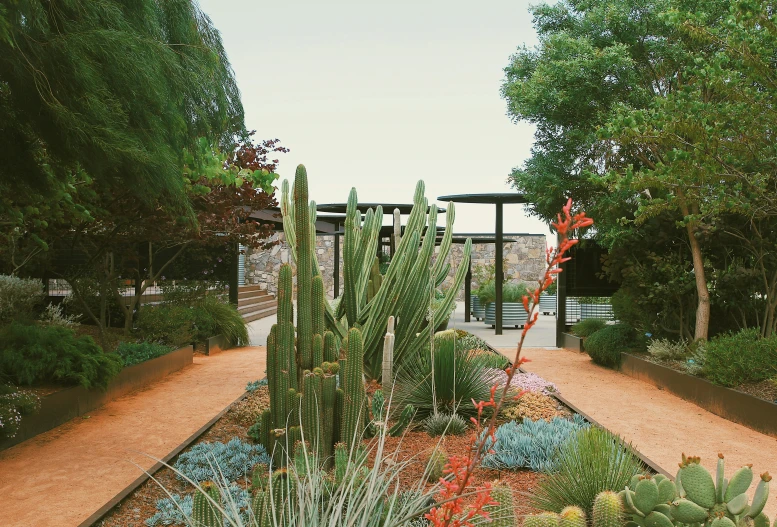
[{"x": 703, "y": 292}]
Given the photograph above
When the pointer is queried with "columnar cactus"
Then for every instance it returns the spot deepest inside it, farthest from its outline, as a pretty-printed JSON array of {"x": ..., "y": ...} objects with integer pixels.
[
  {"x": 404, "y": 419},
  {"x": 502, "y": 513},
  {"x": 607, "y": 510},
  {"x": 205, "y": 512},
  {"x": 354, "y": 409},
  {"x": 388, "y": 356}
]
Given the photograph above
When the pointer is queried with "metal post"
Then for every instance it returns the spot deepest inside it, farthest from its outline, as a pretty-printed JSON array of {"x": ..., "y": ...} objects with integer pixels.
[
  {"x": 337, "y": 261},
  {"x": 561, "y": 305},
  {"x": 468, "y": 291},
  {"x": 499, "y": 274}
]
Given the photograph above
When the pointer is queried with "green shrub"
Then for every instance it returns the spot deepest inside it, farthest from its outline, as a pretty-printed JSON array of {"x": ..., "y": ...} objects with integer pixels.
[
  {"x": 665, "y": 349},
  {"x": 19, "y": 298},
  {"x": 591, "y": 461},
  {"x": 586, "y": 328},
  {"x": 742, "y": 357},
  {"x": 223, "y": 319},
  {"x": 137, "y": 352},
  {"x": 166, "y": 323},
  {"x": 35, "y": 354},
  {"x": 511, "y": 292},
  {"x": 14, "y": 404},
  {"x": 605, "y": 346}
]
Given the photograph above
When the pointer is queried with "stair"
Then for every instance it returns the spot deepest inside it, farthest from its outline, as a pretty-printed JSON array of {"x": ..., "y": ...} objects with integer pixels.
[{"x": 254, "y": 303}]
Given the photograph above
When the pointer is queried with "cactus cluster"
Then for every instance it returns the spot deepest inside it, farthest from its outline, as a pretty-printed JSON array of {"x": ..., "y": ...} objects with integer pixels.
[
  {"x": 606, "y": 513},
  {"x": 273, "y": 502},
  {"x": 694, "y": 499},
  {"x": 502, "y": 512},
  {"x": 205, "y": 512},
  {"x": 369, "y": 298}
]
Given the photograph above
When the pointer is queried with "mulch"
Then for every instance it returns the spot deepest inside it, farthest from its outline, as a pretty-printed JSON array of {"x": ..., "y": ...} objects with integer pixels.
[{"x": 414, "y": 447}]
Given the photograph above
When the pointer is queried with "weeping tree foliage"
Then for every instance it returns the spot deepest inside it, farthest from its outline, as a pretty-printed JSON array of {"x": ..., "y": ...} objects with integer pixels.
[{"x": 108, "y": 91}]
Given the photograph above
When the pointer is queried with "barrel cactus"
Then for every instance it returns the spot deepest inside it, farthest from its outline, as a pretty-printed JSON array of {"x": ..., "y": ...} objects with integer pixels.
[{"x": 502, "y": 513}]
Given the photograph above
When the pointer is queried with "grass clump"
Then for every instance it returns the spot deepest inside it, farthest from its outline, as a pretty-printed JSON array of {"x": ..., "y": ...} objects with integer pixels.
[{"x": 449, "y": 424}]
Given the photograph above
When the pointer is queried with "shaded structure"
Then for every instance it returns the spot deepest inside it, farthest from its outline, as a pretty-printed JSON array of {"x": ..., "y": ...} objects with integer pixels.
[{"x": 499, "y": 199}]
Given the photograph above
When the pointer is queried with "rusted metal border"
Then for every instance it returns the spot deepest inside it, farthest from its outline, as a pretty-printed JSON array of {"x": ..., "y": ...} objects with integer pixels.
[
  {"x": 64, "y": 405},
  {"x": 655, "y": 467},
  {"x": 100, "y": 513},
  {"x": 739, "y": 407}
]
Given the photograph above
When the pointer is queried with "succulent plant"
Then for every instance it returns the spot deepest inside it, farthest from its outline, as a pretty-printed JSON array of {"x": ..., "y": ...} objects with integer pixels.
[
  {"x": 607, "y": 510},
  {"x": 205, "y": 512},
  {"x": 502, "y": 513}
]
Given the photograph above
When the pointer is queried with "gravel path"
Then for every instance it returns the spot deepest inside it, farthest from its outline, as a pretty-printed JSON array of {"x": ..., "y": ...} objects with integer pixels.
[
  {"x": 659, "y": 424},
  {"x": 59, "y": 478}
]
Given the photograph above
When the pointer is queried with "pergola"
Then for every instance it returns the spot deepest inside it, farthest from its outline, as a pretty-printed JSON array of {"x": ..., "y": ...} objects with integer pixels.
[
  {"x": 499, "y": 199},
  {"x": 338, "y": 210}
]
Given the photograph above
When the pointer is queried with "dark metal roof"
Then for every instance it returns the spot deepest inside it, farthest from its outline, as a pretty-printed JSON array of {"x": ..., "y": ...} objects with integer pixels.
[
  {"x": 493, "y": 197},
  {"x": 388, "y": 208}
]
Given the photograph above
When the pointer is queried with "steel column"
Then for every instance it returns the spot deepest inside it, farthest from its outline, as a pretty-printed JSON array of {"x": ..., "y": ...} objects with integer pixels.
[{"x": 499, "y": 274}]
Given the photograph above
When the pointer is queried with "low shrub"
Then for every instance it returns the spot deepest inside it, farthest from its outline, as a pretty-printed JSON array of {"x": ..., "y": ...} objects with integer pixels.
[
  {"x": 54, "y": 315},
  {"x": 591, "y": 461},
  {"x": 605, "y": 346},
  {"x": 137, "y": 352},
  {"x": 166, "y": 323},
  {"x": 448, "y": 424},
  {"x": 14, "y": 405},
  {"x": 742, "y": 357},
  {"x": 532, "y": 406},
  {"x": 665, "y": 349},
  {"x": 32, "y": 354},
  {"x": 530, "y": 444},
  {"x": 586, "y": 328},
  {"x": 219, "y": 461},
  {"x": 19, "y": 298}
]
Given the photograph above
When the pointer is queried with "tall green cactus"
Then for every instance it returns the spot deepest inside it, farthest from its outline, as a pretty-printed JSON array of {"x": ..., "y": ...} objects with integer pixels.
[
  {"x": 369, "y": 299},
  {"x": 205, "y": 512},
  {"x": 607, "y": 510},
  {"x": 502, "y": 513},
  {"x": 354, "y": 409}
]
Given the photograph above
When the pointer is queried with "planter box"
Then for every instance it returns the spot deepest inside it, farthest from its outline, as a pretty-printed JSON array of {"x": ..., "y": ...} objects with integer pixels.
[
  {"x": 513, "y": 314},
  {"x": 573, "y": 311},
  {"x": 733, "y": 405},
  {"x": 548, "y": 304},
  {"x": 602, "y": 311},
  {"x": 216, "y": 344},
  {"x": 478, "y": 311},
  {"x": 64, "y": 405},
  {"x": 572, "y": 342}
]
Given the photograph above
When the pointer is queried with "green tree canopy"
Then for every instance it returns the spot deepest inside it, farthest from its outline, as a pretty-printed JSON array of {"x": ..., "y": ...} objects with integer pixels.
[{"x": 110, "y": 90}]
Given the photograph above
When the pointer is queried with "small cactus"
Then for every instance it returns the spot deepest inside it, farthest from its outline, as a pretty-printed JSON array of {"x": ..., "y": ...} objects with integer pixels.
[
  {"x": 205, "y": 512},
  {"x": 436, "y": 465},
  {"x": 403, "y": 421},
  {"x": 607, "y": 510},
  {"x": 543, "y": 519},
  {"x": 502, "y": 513},
  {"x": 378, "y": 402},
  {"x": 258, "y": 476},
  {"x": 572, "y": 516}
]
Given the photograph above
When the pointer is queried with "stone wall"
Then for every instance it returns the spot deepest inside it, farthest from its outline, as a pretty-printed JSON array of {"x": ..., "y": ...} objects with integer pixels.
[{"x": 524, "y": 260}]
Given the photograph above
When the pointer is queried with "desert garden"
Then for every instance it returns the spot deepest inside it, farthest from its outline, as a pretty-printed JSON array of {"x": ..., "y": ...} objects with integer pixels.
[{"x": 188, "y": 339}]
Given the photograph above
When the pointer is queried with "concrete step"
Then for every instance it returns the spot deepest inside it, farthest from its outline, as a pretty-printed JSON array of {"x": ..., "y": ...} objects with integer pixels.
[
  {"x": 244, "y": 288},
  {"x": 261, "y": 313},
  {"x": 261, "y": 303}
]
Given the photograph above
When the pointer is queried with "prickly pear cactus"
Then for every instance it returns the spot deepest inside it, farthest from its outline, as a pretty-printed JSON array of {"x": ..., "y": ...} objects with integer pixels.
[{"x": 647, "y": 500}]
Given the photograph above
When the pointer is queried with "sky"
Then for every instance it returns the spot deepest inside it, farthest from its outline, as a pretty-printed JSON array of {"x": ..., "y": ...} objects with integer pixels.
[{"x": 377, "y": 95}]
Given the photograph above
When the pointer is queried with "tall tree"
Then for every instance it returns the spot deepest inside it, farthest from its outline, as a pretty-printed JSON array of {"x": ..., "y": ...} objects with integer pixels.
[
  {"x": 647, "y": 108},
  {"x": 106, "y": 90}
]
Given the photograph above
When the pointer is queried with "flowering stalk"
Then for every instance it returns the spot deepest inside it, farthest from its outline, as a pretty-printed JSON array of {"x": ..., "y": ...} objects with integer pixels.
[{"x": 452, "y": 512}]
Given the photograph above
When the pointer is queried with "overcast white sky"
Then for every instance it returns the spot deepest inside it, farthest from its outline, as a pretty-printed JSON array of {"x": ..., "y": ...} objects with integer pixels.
[{"x": 379, "y": 95}]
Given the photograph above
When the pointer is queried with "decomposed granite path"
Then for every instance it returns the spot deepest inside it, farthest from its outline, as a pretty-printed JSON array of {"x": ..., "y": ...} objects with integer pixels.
[
  {"x": 61, "y": 477},
  {"x": 659, "y": 424}
]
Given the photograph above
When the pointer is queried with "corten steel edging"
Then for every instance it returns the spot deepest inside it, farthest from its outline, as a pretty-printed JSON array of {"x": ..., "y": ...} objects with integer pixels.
[
  {"x": 216, "y": 344},
  {"x": 572, "y": 342},
  {"x": 736, "y": 406},
  {"x": 655, "y": 467},
  {"x": 64, "y": 405},
  {"x": 100, "y": 513}
]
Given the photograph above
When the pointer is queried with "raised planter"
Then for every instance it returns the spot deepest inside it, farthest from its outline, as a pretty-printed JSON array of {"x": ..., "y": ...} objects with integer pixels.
[
  {"x": 736, "y": 406},
  {"x": 602, "y": 311},
  {"x": 548, "y": 304},
  {"x": 478, "y": 310},
  {"x": 572, "y": 342},
  {"x": 513, "y": 314},
  {"x": 59, "y": 407},
  {"x": 216, "y": 344}
]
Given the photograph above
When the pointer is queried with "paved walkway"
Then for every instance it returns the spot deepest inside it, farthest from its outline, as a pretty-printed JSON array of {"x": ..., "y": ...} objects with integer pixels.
[
  {"x": 659, "y": 424},
  {"x": 59, "y": 478}
]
